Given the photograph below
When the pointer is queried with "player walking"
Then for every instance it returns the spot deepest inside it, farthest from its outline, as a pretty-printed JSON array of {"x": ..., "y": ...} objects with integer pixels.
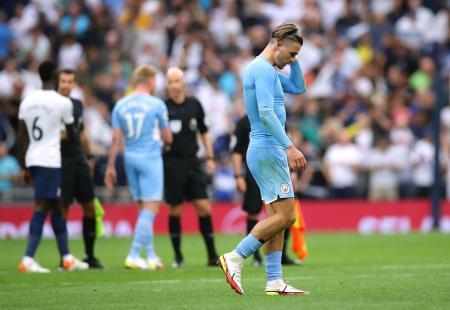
[
  {"x": 270, "y": 155},
  {"x": 141, "y": 119}
]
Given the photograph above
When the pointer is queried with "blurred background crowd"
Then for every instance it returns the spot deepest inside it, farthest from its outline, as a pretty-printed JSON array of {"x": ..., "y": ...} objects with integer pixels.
[{"x": 376, "y": 72}]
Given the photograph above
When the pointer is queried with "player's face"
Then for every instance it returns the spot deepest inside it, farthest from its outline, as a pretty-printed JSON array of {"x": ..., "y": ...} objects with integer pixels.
[
  {"x": 66, "y": 83},
  {"x": 286, "y": 52},
  {"x": 175, "y": 85}
]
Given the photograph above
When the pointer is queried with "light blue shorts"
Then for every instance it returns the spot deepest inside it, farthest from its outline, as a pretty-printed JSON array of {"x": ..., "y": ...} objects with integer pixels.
[
  {"x": 145, "y": 176},
  {"x": 269, "y": 167}
]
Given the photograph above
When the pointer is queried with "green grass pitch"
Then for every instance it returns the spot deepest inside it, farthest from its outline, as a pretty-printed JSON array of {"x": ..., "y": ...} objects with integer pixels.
[{"x": 344, "y": 271}]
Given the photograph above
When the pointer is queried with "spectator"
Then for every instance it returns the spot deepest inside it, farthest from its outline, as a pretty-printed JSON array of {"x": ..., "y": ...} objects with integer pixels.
[
  {"x": 9, "y": 169},
  {"x": 75, "y": 22},
  {"x": 6, "y": 38},
  {"x": 383, "y": 164},
  {"x": 421, "y": 157},
  {"x": 342, "y": 161}
]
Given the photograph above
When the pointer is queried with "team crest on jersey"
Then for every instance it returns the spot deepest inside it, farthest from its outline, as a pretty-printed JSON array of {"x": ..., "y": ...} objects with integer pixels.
[
  {"x": 193, "y": 124},
  {"x": 284, "y": 188},
  {"x": 175, "y": 126}
]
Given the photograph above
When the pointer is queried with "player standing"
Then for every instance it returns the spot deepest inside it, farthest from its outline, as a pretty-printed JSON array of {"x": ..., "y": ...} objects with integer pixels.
[
  {"x": 184, "y": 178},
  {"x": 76, "y": 177},
  {"x": 141, "y": 119},
  {"x": 270, "y": 155},
  {"x": 41, "y": 115}
]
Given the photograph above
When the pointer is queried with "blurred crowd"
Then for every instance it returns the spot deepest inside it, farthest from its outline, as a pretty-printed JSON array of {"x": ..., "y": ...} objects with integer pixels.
[{"x": 376, "y": 70}]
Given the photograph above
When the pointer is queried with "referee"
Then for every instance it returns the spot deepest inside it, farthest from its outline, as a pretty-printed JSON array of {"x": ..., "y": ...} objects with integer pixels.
[
  {"x": 246, "y": 184},
  {"x": 184, "y": 178},
  {"x": 77, "y": 164}
]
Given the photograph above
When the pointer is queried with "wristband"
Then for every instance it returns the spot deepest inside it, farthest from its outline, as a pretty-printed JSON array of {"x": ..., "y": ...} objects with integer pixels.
[
  {"x": 240, "y": 175},
  {"x": 90, "y": 156},
  {"x": 209, "y": 158}
]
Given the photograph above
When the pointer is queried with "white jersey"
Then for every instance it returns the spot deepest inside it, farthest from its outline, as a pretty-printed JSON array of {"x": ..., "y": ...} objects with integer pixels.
[{"x": 43, "y": 112}]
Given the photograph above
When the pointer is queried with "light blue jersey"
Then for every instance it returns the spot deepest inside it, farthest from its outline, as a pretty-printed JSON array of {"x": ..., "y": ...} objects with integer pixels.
[
  {"x": 264, "y": 101},
  {"x": 140, "y": 117},
  {"x": 264, "y": 89}
]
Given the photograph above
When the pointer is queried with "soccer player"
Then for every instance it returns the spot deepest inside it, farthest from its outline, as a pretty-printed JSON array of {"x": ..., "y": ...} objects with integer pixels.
[
  {"x": 270, "y": 155},
  {"x": 184, "y": 178},
  {"x": 41, "y": 115},
  {"x": 246, "y": 184},
  {"x": 76, "y": 176},
  {"x": 141, "y": 119}
]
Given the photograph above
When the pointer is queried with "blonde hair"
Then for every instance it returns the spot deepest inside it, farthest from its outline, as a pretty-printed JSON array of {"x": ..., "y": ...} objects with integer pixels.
[
  {"x": 287, "y": 31},
  {"x": 142, "y": 73}
]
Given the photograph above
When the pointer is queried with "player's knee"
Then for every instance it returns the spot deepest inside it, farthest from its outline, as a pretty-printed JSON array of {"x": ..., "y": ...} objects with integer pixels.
[
  {"x": 290, "y": 219},
  {"x": 176, "y": 211},
  {"x": 88, "y": 209}
]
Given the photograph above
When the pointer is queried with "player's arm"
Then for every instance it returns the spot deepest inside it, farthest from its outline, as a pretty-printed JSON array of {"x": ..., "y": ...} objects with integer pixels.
[
  {"x": 23, "y": 142},
  {"x": 237, "y": 156},
  {"x": 264, "y": 89},
  {"x": 163, "y": 119},
  {"x": 86, "y": 146},
  {"x": 206, "y": 140},
  {"x": 110, "y": 174},
  {"x": 295, "y": 83}
]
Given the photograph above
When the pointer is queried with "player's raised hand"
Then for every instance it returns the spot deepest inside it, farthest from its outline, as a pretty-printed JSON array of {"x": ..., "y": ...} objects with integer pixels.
[
  {"x": 296, "y": 159},
  {"x": 110, "y": 177}
]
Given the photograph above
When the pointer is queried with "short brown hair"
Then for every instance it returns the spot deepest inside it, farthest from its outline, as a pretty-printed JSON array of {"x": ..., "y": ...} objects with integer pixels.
[
  {"x": 142, "y": 73},
  {"x": 287, "y": 31}
]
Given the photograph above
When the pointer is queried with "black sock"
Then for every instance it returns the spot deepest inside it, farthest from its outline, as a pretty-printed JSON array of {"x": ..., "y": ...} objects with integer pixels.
[
  {"x": 206, "y": 229},
  {"x": 175, "y": 236},
  {"x": 285, "y": 241},
  {"x": 89, "y": 236},
  {"x": 250, "y": 225},
  {"x": 60, "y": 230}
]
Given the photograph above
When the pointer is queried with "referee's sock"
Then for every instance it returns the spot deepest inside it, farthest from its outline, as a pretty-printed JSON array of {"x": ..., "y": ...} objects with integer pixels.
[
  {"x": 175, "y": 236},
  {"x": 206, "y": 229},
  {"x": 36, "y": 227},
  {"x": 89, "y": 235},
  {"x": 273, "y": 266},
  {"x": 60, "y": 230}
]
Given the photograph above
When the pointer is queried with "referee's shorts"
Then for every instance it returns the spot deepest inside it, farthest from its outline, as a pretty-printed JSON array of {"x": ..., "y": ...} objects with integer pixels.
[
  {"x": 76, "y": 181},
  {"x": 184, "y": 179}
]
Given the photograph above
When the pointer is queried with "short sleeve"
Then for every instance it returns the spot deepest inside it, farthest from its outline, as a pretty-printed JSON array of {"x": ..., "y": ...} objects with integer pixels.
[
  {"x": 67, "y": 114},
  {"x": 241, "y": 135},
  {"x": 201, "y": 118}
]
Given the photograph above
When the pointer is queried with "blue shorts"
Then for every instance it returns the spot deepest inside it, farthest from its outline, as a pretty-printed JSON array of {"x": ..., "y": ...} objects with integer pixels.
[
  {"x": 145, "y": 176},
  {"x": 269, "y": 167},
  {"x": 46, "y": 182}
]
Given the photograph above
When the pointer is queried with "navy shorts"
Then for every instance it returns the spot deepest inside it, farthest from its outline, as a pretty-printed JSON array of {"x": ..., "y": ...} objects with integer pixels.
[{"x": 46, "y": 182}]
